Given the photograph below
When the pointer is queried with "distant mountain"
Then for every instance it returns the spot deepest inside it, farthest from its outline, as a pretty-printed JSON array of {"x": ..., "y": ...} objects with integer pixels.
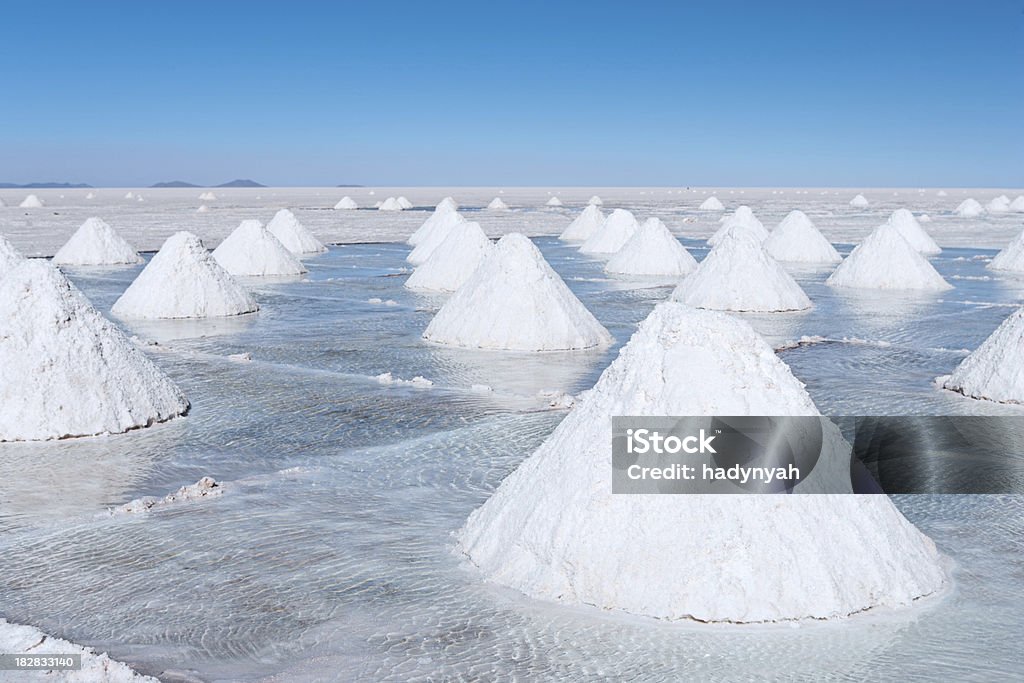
[
  {"x": 350, "y": 185},
  {"x": 44, "y": 186},
  {"x": 174, "y": 183},
  {"x": 241, "y": 183},
  {"x": 182, "y": 183}
]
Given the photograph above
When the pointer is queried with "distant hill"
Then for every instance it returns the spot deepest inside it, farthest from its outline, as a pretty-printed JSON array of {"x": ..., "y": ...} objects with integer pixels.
[
  {"x": 350, "y": 185},
  {"x": 241, "y": 183},
  {"x": 44, "y": 186},
  {"x": 174, "y": 183}
]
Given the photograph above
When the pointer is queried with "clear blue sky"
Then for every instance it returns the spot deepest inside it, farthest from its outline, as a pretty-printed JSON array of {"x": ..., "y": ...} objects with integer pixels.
[{"x": 904, "y": 92}]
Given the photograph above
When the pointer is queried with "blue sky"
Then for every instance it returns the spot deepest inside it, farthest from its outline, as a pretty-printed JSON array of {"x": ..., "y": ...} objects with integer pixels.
[{"x": 901, "y": 93}]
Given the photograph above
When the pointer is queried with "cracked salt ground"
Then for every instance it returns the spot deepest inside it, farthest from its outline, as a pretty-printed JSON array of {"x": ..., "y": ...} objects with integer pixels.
[{"x": 343, "y": 567}]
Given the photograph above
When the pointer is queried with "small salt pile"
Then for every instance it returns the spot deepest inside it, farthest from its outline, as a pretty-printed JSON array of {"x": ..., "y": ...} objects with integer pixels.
[
  {"x": 293, "y": 235},
  {"x": 1017, "y": 205},
  {"x": 442, "y": 215},
  {"x": 96, "y": 244},
  {"x": 1000, "y": 204},
  {"x": 712, "y": 204},
  {"x": 969, "y": 208},
  {"x": 744, "y": 218},
  {"x": 448, "y": 203},
  {"x": 497, "y": 204},
  {"x": 404, "y": 203},
  {"x": 739, "y": 275},
  {"x": 207, "y": 197},
  {"x": 616, "y": 230},
  {"x": 652, "y": 250},
  {"x": 797, "y": 240},
  {"x": 435, "y": 231},
  {"x": 554, "y": 531},
  {"x": 67, "y": 370},
  {"x": 515, "y": 301},
  {"x": 252, "y": 250},
  {"x": 583, "y": 227},
  {"x": 1011, "y": 258},
  {"x": 346, "y": 203},
  {"x": 183, "y": 281},
  {"x": 554, "y": 201},
  {"x": 885, "y": 260},
  {"x": 595, "y": 201},
  {"x": 940, "y": 193},
  {"x": 390, "y": 204},
  {"x": 129, "y": 195},
  {"x": 203, "y": 208},
  {"x": 91, "y": 195},
  {"x": 860, "y": 202},
  {"x": 995, "y": 370},
  {"x": 453, "y": 261},
  {"x": 912, "y": 232},
  {"x": 31, "y": 202},
  {"x": 2, "y": 204}
]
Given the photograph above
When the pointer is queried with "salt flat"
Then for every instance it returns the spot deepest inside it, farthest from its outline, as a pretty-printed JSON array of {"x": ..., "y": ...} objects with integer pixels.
[
  {"x": 329, "y": 554},
  {"x": 146, "y": 224}
]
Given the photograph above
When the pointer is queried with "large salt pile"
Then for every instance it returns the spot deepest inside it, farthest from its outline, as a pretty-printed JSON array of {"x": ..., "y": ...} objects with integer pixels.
[
  {"x": 616, "y": 230},
  {"x": 390, "y": 204},
  {"x": 252, "y": 250},
  {"x": 183, "y": 281},
  {"x": 96, "y": 244},
  {"x": 739, "y": 275},
  {"x": 1011, "y": 258},
  {"x": 712, "y": 204},
  {"x": 346, "y": 203},
  {"x": 595, "y": 201},
  {"x": 652, "y": 250},
  {"x": 554, "y": 530},
  {"x": 94, "y": 668},
  {"x": 1017, "y": 205},
  {"x": 404, "y": 203},
  {"x": 453, "y": 261},
  {"x": 744, "y": 218},
  {"x": 554, "y": 201},
  {"x": 583, "y": 227},
  {"x": 67, "y": 370},
  {"x": 885, "y": 260},
  {"x": 969, "y": 208},
  {"x": 293, "y": 235},
  {"x": 31, "y": 202},
  {"x": 1000, "y": 204},
  {"x": 440, "y": 226},
  {"x": 514, "y": 301},
  {"x": 443, "y": 217},
  {"x": 796, "y": 239},
  {"x": 995, "y": 370},
  {"x": 912, "y": 232},
  {"x": 859, "y": 202},
  {"x": 9, "y": 256},
  {"x": 497, "y": 204}
]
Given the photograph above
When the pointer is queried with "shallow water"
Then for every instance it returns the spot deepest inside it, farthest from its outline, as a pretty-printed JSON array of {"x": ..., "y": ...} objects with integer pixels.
[{"x": 329, "y": 554}]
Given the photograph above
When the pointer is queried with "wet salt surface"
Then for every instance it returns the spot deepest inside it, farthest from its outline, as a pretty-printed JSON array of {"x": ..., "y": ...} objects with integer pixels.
[{"x": 330, "y": 555}]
